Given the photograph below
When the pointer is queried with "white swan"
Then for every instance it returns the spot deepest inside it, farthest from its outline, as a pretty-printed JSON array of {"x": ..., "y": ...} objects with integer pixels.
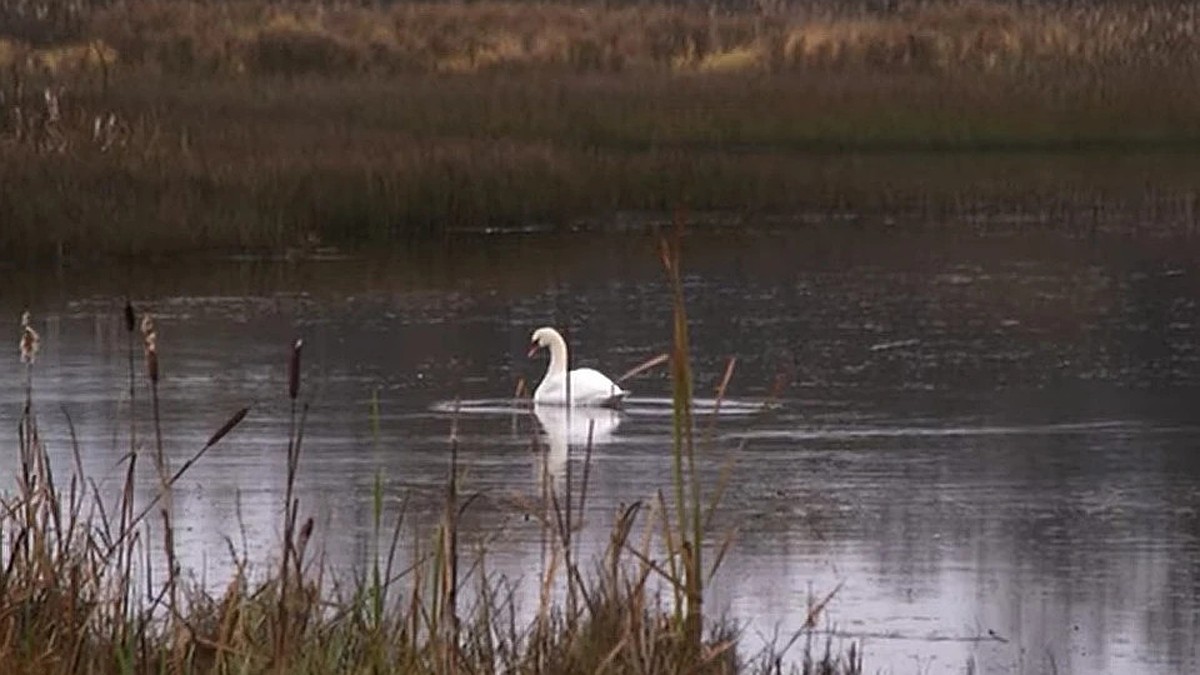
[{"x": 580, "y": 387}]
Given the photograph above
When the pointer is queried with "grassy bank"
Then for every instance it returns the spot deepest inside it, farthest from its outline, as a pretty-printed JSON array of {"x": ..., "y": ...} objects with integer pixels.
[
  {"x": 158, "y": 127},
  {"x": 92, "y": 580}
]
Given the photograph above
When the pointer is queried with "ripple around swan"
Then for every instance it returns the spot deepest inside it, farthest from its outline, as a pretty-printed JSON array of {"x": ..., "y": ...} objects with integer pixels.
[
  {"x": 633, "y": 406},
  {"x": 901, "y": 431}
]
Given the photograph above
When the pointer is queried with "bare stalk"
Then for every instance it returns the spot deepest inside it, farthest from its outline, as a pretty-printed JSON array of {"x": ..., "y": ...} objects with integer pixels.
[
  {"x": 289, "y": 509},
  {"x": 687, "y": 487}
]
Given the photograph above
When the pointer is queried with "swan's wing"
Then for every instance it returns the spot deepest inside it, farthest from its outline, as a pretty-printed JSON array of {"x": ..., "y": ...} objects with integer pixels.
[
  {"x": 592, "y": 387},
  {"x": 589, "y": 387}
]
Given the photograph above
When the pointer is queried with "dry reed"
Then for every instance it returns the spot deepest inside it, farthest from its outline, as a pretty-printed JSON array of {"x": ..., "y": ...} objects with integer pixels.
[
  {"x": 238, "y": 39},
  {"x": 286, "y": 127}
]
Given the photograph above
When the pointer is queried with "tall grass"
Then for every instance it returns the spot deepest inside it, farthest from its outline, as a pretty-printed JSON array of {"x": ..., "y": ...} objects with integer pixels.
[
  {"x": 183, "y": 126},
  {"x": 292, "y": 38},
  {"x": 78, "y": 591}
]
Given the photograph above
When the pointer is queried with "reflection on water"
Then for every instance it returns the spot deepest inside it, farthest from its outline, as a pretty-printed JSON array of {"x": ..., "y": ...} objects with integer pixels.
[
  {"x": 573, "y": 428},
  {"x": 988, "y": 441}
]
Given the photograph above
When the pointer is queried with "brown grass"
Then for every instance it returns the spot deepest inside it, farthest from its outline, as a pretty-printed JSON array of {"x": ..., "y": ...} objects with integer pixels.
[
  {"x": 242, "y": 38},
  {"x": 157, "y": 126}
]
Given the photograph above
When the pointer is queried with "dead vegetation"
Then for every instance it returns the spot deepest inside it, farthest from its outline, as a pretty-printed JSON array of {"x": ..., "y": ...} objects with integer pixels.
[{"x": 169, "y": 126}]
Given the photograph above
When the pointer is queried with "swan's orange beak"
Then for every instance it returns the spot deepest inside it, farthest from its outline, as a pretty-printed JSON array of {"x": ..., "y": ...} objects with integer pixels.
[{"x": 533, "y": 348}]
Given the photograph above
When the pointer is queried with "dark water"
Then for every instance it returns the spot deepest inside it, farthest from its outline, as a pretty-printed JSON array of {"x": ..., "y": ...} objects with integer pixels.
[{"x": 989, "y": 440}]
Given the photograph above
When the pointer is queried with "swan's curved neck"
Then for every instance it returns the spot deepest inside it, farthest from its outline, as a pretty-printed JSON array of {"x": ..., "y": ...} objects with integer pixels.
[{"x": 558, "y": 355}]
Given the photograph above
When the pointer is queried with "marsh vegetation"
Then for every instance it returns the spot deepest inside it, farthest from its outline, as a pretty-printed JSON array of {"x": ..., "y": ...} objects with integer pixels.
[
  {"x": 163, "y": 127},
  {"x": 93, "y": 580}
]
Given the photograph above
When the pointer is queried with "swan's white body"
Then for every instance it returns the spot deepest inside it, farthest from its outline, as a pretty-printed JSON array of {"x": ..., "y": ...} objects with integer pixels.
[{"x": 580, "y": 387}]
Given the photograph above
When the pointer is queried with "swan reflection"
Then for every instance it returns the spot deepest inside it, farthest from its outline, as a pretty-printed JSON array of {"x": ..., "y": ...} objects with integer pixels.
[{"x": 568, "y": 428}]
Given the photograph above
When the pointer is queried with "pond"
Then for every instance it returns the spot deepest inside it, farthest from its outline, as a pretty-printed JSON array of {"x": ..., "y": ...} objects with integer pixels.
[{"x": 980, "y": 444}]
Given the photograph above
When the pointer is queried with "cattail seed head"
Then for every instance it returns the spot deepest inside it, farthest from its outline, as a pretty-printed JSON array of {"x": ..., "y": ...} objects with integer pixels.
[
  {"x": 306, "y": 531},
  {"x": 130, "y": 319},
  {"x": 152, "y": 363},
  {"x": 294, "y": 370},
  {"x": 227, "y": 427},
  {"x": 30, "y": 341},
  {"x": 150, "y": 345}
]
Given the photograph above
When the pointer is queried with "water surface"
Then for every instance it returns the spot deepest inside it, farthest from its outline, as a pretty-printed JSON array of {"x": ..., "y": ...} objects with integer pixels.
[{"x": 986, "y": 441}]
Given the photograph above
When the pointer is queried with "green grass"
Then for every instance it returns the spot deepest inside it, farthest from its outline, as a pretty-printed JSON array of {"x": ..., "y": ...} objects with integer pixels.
[
  {"x": 175, "y": 136},
  {"x": 75, "y": 596}
]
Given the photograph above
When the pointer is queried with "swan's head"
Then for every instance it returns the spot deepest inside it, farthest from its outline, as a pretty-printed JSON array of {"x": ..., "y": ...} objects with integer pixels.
[{"x": 542, "y": 337}]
